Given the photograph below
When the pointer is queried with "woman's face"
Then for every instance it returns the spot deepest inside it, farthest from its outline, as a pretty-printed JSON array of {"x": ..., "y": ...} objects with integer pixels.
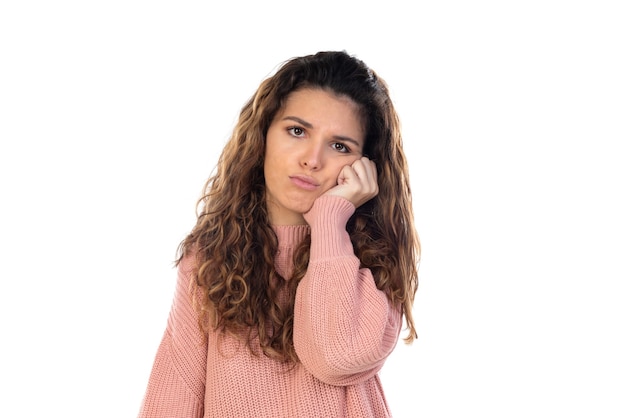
[{"x": 309, "y": 141}]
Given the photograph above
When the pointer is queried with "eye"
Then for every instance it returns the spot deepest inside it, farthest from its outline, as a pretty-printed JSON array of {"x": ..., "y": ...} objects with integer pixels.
[
  {"x": 338, "y": 146},
  {"x": 296, "y": 131}
]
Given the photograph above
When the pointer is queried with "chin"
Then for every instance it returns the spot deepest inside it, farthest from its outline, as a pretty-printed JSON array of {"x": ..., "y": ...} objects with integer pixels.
[{"x": 302, "y": 207}]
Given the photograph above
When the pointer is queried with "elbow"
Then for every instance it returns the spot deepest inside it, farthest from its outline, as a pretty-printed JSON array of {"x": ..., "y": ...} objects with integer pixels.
[
  {"x": 348, "y": 358},
  {"x": 336, "y": 371}
]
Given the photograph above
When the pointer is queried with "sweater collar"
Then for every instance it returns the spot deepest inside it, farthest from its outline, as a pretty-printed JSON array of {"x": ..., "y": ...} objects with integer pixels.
[{"x": 290, "y": 236}]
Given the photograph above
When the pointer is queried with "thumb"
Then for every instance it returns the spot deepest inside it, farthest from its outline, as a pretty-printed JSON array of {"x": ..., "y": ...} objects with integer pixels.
[{"x": 346, "y": 175}]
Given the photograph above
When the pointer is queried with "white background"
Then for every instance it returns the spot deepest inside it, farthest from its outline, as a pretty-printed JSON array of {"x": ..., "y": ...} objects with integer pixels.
[{"x": 112, "y": 115}]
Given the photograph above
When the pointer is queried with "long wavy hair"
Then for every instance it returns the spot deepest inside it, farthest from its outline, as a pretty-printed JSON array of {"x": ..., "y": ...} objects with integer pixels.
[{"x": 237, "y": 286}]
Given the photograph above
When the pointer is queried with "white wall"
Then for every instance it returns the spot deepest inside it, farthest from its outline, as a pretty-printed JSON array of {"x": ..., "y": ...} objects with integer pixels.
[{"x": 112, "y": 115}]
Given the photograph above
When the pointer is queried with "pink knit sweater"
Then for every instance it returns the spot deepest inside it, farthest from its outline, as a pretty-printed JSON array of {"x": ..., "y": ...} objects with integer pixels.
[{"x": 344, "y": 329}]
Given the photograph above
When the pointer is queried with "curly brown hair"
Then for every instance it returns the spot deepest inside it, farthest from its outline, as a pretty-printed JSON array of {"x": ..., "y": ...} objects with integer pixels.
[{"x": 234, "y": 242}]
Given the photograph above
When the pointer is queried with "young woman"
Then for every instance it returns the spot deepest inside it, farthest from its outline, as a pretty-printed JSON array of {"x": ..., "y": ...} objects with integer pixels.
[{"x": 294, "y": 283}]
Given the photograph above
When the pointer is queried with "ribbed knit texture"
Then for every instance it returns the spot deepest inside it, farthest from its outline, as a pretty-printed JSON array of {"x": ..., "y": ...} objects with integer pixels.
[{"x": 344, "y": 329}]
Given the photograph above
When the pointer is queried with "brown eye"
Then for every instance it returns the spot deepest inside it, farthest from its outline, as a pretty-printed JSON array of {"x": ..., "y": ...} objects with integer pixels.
[
  {"x": 338, "y": 146},
  {"x": 296, "y": 131}
]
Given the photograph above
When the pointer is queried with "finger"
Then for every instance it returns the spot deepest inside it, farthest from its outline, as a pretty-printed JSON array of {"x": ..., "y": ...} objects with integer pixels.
[
  {"x": 366, "y": 171},
  {"x": 371, "y": 171},
  {"x": 346, "y": 175},
  {"x": 361, "y": 170}
]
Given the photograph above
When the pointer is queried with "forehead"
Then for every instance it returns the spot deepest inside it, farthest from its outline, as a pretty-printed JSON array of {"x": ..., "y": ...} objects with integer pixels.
[
  {"x": 324, "y": 106},
  {"x": 305, "y": 94}
]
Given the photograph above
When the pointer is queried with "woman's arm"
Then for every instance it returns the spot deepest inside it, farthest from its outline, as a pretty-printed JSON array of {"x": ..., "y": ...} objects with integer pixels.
[{"x": 344, "y": 326}]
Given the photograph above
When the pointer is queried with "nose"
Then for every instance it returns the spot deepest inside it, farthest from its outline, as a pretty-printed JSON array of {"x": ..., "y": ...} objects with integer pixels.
[{"x": 312, "y": 157}]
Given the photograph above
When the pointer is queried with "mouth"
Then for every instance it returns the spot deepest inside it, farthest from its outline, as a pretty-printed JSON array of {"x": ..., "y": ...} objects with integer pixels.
[{"x": 304, "y": 182}]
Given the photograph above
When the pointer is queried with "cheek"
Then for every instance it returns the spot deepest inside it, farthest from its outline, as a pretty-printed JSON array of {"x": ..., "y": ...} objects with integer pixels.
[
  {"x": 274, "y": 171},
  {"x": 341, "y": 163},
  {"x": 271, "y": 162},
  {"x": 335, "y": 170}
]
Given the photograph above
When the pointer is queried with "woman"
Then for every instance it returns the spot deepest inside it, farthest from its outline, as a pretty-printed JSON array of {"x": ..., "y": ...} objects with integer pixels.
[{"x": 293, "y": 284}]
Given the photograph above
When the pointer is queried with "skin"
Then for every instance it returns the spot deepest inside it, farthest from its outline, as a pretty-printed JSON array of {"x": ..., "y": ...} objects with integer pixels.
[{"x": 314, "y": 147}]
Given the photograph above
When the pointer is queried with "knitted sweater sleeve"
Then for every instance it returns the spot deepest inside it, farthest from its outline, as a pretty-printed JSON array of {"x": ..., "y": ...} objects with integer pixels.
[
  {"x": 344, "y": 327},
  {"x": 177, "y": 380}
]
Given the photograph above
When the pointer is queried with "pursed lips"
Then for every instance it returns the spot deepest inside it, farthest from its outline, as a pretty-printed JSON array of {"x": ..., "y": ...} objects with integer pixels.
[{"x": 304, "y": 182}]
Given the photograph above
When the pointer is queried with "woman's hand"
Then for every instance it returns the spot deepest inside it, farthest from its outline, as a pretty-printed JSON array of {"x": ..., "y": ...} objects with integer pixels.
[{"x": 357, "y": 182}]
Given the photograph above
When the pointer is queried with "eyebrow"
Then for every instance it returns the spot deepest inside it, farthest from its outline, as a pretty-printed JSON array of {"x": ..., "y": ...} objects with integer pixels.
[{"x": 308, "y": 125}]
